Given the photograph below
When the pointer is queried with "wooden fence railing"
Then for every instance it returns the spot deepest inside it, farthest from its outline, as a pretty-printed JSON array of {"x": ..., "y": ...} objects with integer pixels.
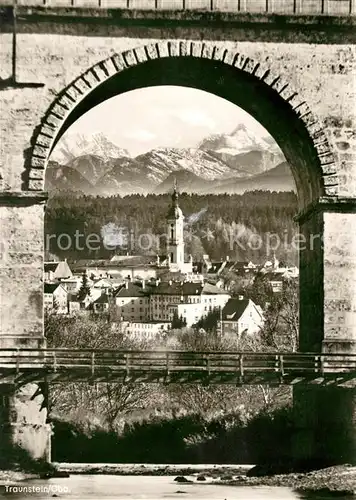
[
  {"x": 176, "y": 366},
  {"x": 311, "y": 7}
]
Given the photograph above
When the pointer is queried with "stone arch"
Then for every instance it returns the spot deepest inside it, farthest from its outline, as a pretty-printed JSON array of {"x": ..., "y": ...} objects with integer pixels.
[{"x": 271, "y": 100}]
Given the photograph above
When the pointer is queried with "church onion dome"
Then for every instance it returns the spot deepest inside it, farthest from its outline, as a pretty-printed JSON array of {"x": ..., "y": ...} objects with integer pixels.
[{"x": 174, "y": 212}]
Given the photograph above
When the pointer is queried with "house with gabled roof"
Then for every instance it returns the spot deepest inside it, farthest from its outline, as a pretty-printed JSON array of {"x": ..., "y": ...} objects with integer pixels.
[
  {"x": 241, "y": 315},
  {"x": 55, "y": 297},
  {"x": 132, "y": 301},
  {"x": 101, "y": 304},
  {"x": 56, "y": 271}
]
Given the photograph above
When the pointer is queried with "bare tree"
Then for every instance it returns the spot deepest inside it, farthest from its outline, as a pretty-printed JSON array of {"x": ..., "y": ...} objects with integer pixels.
[{"x": 109, "y": 400}]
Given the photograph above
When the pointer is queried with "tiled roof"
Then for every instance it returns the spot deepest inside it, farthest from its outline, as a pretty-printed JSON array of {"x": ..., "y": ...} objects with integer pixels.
[
  {"x": 103, "y": 299},
  {"x": 50, "y": 266},
  {"x": 133, "y": 261},
  {"x": 177, "y": 288},
  {"x": 215, "y": 267},
  {"x": 210, "y": 289},
  {"x": 50, "y": 287},
  {"x": 274, "y": 276},
  {"x": 240, "y": 264},
  {"x": 132, "y": 290},
  {"x": 234, "y": 309}
]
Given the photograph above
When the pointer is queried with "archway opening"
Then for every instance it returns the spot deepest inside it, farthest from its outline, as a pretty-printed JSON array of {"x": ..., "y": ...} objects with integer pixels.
[
  {"x": 236, "y": 86},
  {"x": 217, "y": 158}
]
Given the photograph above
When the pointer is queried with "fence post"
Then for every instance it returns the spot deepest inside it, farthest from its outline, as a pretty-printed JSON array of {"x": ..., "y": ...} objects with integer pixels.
[
  {"x": 316, "y": 364},
  {"x": 322, "y": 367},
  {"x": 17, "y": 361},
  {"x": 92, "y": 363},
  {"x": 166, "y": 378},
  {"x": 241, "y": 368},
  {"x": 281, "y": 367},
  {"x": 127, "y": 355}
]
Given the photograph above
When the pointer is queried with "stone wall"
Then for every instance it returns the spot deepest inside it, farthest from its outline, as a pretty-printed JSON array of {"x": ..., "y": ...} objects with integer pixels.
[
  {"x": 56, "y": 60},
  {"x": 340, "y": 282},
  {"x": 21, "y": 272},
  {"x": 322, "y": 74},
  {"x": 24, "y": 432}
]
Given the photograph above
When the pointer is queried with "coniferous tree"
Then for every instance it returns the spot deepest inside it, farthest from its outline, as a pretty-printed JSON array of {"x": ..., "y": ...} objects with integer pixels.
[
  {"x": 178, "y": 321},
  {"x": 84, "y": 289}
]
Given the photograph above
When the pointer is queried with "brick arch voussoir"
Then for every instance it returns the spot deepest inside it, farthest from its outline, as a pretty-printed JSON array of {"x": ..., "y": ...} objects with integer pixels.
[{"x": 77, "y": 90}]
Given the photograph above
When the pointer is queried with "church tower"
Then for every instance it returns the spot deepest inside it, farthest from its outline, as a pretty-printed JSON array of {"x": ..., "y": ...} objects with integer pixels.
[{"x": 175, "y": 233}]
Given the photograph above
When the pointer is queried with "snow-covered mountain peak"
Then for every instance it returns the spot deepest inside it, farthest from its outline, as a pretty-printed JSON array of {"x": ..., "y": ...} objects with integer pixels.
[
  {"x": 74, "y": 145},
  {"x": 240, "y": 140}
]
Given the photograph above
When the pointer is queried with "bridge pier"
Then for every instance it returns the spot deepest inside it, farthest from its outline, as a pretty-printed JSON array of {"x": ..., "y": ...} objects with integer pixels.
[
  {"x": 25, "y": 435},
  {"x": 325, "y": 417}
]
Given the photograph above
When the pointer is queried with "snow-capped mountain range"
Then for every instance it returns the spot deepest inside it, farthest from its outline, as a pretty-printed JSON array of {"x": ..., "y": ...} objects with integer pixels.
[
  {"x": 241, "y": 140},
  {"x": 233, "y": 162}
]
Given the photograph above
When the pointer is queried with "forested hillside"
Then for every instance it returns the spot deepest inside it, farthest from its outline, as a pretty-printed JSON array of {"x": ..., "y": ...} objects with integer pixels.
[{"x": 218, "y": 225}]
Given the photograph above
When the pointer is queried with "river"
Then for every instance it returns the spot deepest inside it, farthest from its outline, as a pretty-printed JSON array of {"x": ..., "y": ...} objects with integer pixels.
[{"x": 108, "y": 487}]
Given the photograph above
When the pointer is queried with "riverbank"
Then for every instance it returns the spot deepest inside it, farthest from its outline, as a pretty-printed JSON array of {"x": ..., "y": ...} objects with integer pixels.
[{"x": 333, "y": 480}]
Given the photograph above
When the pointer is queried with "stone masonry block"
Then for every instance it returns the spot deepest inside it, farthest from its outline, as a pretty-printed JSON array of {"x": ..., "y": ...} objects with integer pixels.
[
  {"x": 41, "y": 151},
  {"x": 108, "y": 67},
  {"x": 35, "y": 185},
  {"x": 327, "y": 159},
  {"x": 197, "y": 49},
  {"x": 37, "y": 173},
  {"x": 75, "y": 92},
  {"x": 184, "y": 48},
  {"x": 271, "y": 78},
  {"x": 38, "y": 162},
  {"x": 130, "y": 58},
  {"x": 330, "y": 180},
  {"x": 119, "y": 62},
  {"x": 228, "y": 57},
  {"x": 322, "y": 148},
  {"x": 66, "y": 102},
  {"x": 44, "y": 140},
  {"x": 329, "y": 169},
  {"x": 141, "y": 54},
  {"x": 82, "y": 85},
  {"x": 152, "y": 51},
  {"x": 174, "y": 48},
  {"x": 250, "y": 65},
  {"x": 54, "y": 120},
  {"x": 47, "y": 130},
  {"x": 59, "y": 111},
  {"x": 219, "y": 53},
  {"x": 91, "y": 79},
  {"x": 162, "y": 49}
]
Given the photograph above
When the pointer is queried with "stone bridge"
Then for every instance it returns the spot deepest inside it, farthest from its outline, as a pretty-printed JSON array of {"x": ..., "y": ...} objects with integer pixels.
[{"x": 290, "y": 64}]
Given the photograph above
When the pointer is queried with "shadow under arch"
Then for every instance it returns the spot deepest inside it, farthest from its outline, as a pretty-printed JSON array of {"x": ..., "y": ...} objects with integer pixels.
[{"x": 240, "y": 80}]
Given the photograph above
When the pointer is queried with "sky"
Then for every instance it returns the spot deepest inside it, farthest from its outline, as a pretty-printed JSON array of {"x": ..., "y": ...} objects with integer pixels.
[{"x": 163, "y": 116}]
